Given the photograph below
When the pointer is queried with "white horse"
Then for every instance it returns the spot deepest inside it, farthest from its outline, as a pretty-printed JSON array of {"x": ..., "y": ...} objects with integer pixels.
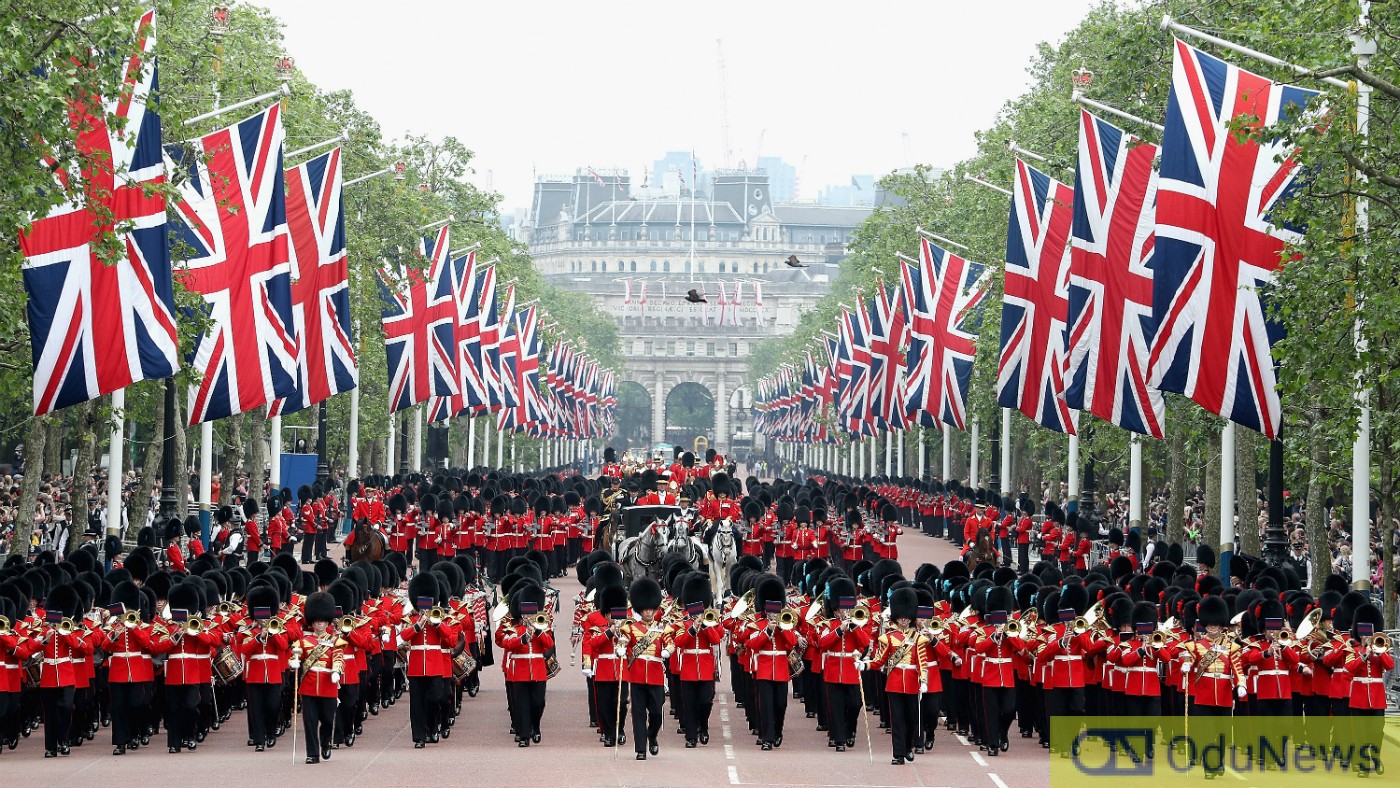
[
  {"x": 723, "y": 554},
  {"x": 642, "y": 556}
]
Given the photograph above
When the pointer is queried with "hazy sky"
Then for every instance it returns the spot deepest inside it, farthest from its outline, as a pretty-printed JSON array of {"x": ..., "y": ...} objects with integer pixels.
[{"x": 546, "y": 87}]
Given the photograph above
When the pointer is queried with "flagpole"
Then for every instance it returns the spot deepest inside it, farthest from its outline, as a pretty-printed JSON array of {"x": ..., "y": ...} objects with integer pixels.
[
  {"x": 972, "y": 472},
  {"x": 1073, "y": 476},
  {"x": 206, "y": 480},
  {"x": 115, "y": 454},
  {"x": 1227, "y": 499},
  {"x": 486, "y": 440},
  {"x": 889, "y": 452},
  {"x": 1135, "y": 482},
  {"x": 415, "y": 439},
  {"x": 284, "y": 90},
  {"x": 1005, "y": 450},
  {"x": 947, "y": 452},
  {"x": 471, "y": 442},
  {"x": 352, "y": 466},
  {"x": 389, "y": 454},
  {"x": 500, "y": 446},
  {"x": 274, "y": 459},
  {"x": 923, "y": 461},
  {"x": 899, "y": 456}
]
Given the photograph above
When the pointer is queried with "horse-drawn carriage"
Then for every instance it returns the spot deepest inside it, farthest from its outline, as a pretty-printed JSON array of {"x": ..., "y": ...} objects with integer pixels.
[{"x": 645, "y": 536}]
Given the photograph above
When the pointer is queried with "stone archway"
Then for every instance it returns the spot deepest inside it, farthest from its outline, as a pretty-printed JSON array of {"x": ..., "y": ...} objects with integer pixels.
[
  {"x": 633, "y": 416},
  {"x": 690, "y": 413}
]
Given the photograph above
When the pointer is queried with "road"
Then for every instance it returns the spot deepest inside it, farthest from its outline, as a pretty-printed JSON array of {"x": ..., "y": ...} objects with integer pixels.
[{"x": 481, "y": 751}]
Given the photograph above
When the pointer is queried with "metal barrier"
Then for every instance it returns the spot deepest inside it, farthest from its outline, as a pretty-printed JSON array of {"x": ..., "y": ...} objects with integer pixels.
[{"x": 1392, "y": 678}]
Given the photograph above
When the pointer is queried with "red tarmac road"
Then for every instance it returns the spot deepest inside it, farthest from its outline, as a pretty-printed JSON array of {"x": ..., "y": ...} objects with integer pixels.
[{"x": 481, "y": 752}]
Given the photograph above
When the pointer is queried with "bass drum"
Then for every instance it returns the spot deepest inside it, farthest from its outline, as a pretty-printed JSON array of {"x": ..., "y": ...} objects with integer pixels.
[{"x": 227, "y": 668}]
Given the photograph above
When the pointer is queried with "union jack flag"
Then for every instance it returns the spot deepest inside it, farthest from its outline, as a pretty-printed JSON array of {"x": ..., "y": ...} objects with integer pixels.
[
  {"x": 420, "y": 319},
  {"x": 1110, "y": 279},
  {"x": 1217, "y": 245},
  {"x": 468, "y": 333},
  {"x": 234, "y": 222},
  {"x": 943, "y": 293},
  {"x": 887, "y": 338},
  {"x": 484, "y": 390},
  {"x": 853, "y": 388},
  {"x": 502, "y": 351},
  {"x": 1034, "y": 310},
  {"x": 95, "y": 328},
  {"x": 326, "y": 363}
]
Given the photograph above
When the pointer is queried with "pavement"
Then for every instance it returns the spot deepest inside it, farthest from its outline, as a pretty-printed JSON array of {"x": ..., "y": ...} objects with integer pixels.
[{"x": 481, "y": 751}]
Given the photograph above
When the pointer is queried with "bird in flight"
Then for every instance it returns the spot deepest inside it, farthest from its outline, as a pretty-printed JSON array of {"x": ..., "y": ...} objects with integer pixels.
[
  {"x": 793, "y": 262},
  {"x": 695, "y": 298}
]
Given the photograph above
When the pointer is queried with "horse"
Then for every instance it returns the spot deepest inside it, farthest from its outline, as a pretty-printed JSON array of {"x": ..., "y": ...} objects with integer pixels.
[
  {"x": 723, "y": 554},
  {"x": 367, "y": 543},
  {"x": 641, "y": 556}
]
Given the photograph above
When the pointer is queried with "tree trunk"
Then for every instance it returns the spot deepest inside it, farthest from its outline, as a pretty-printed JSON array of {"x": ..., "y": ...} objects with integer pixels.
[
  {"x": 140, "y": 503},
  {"x": 233, "y": 460},
  {"x": 53, "y": 445},
  {"x": 1246, "y": 491},
  {"x": 1176, "y": 505},
  {"x": 34, "y": 446},
  {"x": 1316, "y": 515},
  {"x": 1210, "y": 520},
  {"x": 257, "y": 454},
  {"x": 457, "y": 446},
  {"x": 82, "y": 475},
  {"x": 182, "y": 453}
]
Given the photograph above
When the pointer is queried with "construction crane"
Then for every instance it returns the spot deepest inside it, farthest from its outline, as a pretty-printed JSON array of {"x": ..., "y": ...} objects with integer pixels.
[{"x": 723, "y": 103}]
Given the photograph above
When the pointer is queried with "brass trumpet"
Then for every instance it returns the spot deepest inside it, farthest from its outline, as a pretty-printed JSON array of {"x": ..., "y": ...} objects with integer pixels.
[
  {"x": 861, "y": 616},
  {"x": 1080, "y": 625},
  {"x": 710, "y": 617},
  {"x": 67, "y": 626},
  {"x": 437, "y": 615},
  {"x": 194, "y": 626},
  {"x": 225, "y": 608},
  {"x": 4, "y": 626},
  {"x": 132, "y": 618},
  {"x": 1159, "y": 639},
  {"x": 274, "y": 626},
  {"x": 346, "y": 624},
  {"x": 787, "y": 619},
  {"x": 540, "y": 622},
  {"x": 1015, "y": 629},
  {"x": 1380, "y": 644}
]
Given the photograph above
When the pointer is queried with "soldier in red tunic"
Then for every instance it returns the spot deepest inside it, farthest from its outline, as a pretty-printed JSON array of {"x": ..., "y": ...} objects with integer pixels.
[
  {"x": 319, "y": 662},
  {"x": 265, "y": 648},
  {"x": 695, "y": 639},
  {"x": 643, "y": 647},
  {"x": 525, "y": 642}
]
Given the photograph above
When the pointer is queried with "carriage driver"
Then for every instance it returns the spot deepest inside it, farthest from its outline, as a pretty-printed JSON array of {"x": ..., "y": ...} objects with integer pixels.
[{"x": 721, "y": 510}]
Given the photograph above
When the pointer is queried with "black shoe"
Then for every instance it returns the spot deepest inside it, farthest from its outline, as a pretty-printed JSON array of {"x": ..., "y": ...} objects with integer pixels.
[
  {"x": 690, "y": 744},
  {"x": 312, "y": 759},
  {"x": 120, "y": 749},
  {"x": 680, "y": 730},
  {"x": 199, "y": 737},
  {"x": 54, "y": 753},
  {"x": 374, "y": 709},
  {"x": 896, "y": 761},
  {"x": 259, "y": 748},
  {"x": 251, "y": 742},
  {"x": 1005, "y": 745},
  {"x": 418, "y": 745},
  {"x": 621, "y": 738},
  {"x": 326, "y": 754},
  {"x": 522, "y": 742},
  {"x": 918, "y": 750},
  {"x": 173, "y": 750},
  {"x": 535, "y": 738},
  {"x": 641, "y": 756},
  {"x": 654, "y": 747},
  {"x": 609, "y": 742},
  {"x": 851, "y": 742},
  {"x": 271, "y": 742},
  {"x": 811, "y": 715},
  {"x": 840, "y": 748},
  {"x": 831, "y": 742},
  {"x": 767, "y": 746},
  {"x": 432, "y": 738},
  {"x": 446, "y": 732},
  {"x": 778, "y": 742},
  {"x": 704, "y": 737},
  {"x": 471, "y": 691},
  {"x": 909, "y": 756},
  {"x": 822, "y": 728},
  {"x": 191, "y": 745}
]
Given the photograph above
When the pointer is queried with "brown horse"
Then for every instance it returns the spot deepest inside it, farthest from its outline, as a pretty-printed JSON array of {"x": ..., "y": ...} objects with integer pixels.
[{"x": 368, "y": 543}]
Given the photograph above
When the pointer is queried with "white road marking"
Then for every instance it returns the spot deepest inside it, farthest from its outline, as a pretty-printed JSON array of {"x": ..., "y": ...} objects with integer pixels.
[
  {"x": 961, "y": 739},
  {"x": 733, "y": 775},
  {"x": 726, "y": 730},
  {"x": 729, "y": 752},
  {"x": 977, "y": 756},
  {"x": 724, "y": 715},
  {"x": 1000, "y": 783}
]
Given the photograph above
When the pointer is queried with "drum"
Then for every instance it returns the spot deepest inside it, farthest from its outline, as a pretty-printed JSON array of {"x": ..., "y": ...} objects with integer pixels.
[
  {"x": 551, "y": 662},
  {"x": 462, "y": 666},
  {"x": 31, "y": 670},
  {"x": 227, "y": 668}
]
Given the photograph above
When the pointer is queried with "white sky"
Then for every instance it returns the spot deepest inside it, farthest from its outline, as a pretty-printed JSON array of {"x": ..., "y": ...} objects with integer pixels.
[{"x": 547, "y": 86}]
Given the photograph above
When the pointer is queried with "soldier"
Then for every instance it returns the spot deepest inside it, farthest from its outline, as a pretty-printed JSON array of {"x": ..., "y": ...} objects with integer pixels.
[
  {"x": 695, "y": 639},
  {"x": 429, "y": 636},
  {"x": 770, "y": 641},
  {"x": 643, "y": 646},
  {"x": 603, "y": 664},
  {"x": 317, "y": 658},
  {"x": 1212, "y": 668},
  {"x": 265, "y": 648},
  {"x": 897, "y": 653},
  {"x": 843, "y": 642},
  {"x": 525, "y": 641}
]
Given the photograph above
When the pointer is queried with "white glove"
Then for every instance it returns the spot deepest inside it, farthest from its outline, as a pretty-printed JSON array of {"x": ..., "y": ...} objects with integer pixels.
[
  {"x": 621, "y": 652},
  {"x": 1241, "y": 692},
  {"x": 923, "y": 687},
  {"x": 588, "y": 673},
  {"x": 861, "y": 665},
  {"x": 294, "y": 664},
  {"x": 335, "y": 677},
  {"x": 665, "y": 653}
]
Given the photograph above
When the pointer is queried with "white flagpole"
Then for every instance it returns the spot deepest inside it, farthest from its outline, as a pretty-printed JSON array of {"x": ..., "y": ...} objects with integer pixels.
[
  {"x": 352, "y": 467},
  {"x": 274, "y": 459},
  {"x": 1073, "y": 480},
  {"x": 923, "y": 461},
  {"x": 889, "y": 452},
  {"x": 115, "y": 454},
  {"x": 500, "y": 446},
  {"x": 389, "y": 455},
  {"x": 972, "y": 473},
  {"x": 415, "y": 440},
  {"x": 471, "y": 442},
  {"x": 947, "y": 452},
  {"x": 1135, "y": 482},
  {"x": 1005, "y": 449},
  {"x": 899, "y": 456},
  {"x": 1227, "y": 497},
  {"x": 486, "y": 440},
  {"x": 206, "y": 479}
]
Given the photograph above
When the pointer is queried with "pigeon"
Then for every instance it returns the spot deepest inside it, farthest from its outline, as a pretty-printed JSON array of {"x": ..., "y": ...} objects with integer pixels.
[
  {"x": 793, "y": 262},
  {"x": 695, "y": 298}
]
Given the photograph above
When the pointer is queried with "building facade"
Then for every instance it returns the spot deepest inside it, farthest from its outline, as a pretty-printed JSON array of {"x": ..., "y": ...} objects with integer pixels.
[{"x": 638, "y": 259}]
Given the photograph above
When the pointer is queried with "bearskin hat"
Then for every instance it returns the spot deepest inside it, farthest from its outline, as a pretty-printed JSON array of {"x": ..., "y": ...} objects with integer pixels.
[
  {"x": 1213, "y": 611},
  {"x": 320, "y": 606},
  {"x": 904, "y": 603}
]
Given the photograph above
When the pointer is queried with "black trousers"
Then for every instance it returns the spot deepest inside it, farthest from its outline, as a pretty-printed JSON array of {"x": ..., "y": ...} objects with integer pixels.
[
  {"x": 526, "y": 707},
  {"x": 998, "y": 707},
  {"x": 697, "y": 700},
  {"x": 9, "y": 716},
  {"x": 58, "y": 715},
  {"x": 646, "y": 714},
  {"x": 844, "y": 700},
  {"x": 181, "y": 708},
  {"x": 308, "y": 544},
  {"x": 318, "y": 721},
  {"x": 932, "y": 705},
  {"x": 1023, "y": 557},
  {"x": 346, "y": 712},
  {"x": 130, "y": 704},
  {"x": 610, "y": 714},
  {"x": 323, "y": 537},
  {"x": 904, "y": 721},
  {"x": 264, "y": 704},
  {"x": 426, "y": 559},
  {"x": 425, "y": 698},
  {"x": 1061, "y": 702},
  {"x": 771, "y": 697},
  {"x": 1141, "y": 706}
]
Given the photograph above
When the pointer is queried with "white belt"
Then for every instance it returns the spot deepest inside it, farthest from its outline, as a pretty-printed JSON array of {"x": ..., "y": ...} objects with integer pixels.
[
  {"x": 997, "y": 660},
  {"x": 1139, "y": 669},
  {"x": 843, "y": 653},
  {"x": 129, "y": 655},
  {"x": 528, "y": 656},
  {"x": 906, "y": 667},
  {"x": 772, "y": 653},
  {"x": 58, "y": 661},
  {"x": 1368, "y": 681},
  {"x": 647, "y": 657},
  {"x": 695, "y": 651},
  {"x": 1216, "y": 676},
  {"x": 187, "y": 656},
  {"x": 425, "y": 648},
  {"x": 1067, "y": 658},
  {"x": 320, "y": 669},
  {"x": 602, "y": 657},
  {"x": 14, "y": 665},
  {"x": 1274, "y": 673},
  {"x": 263, "y": 656}
]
